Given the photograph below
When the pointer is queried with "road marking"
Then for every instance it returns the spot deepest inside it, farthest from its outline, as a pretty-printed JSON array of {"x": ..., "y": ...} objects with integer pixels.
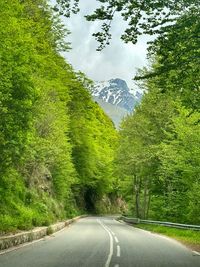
[
  {"x": 118, "y": 251},
  {"x": 111, "y": 244},
  {"x": 110, "y": 230},
  {"x": 116, "y": 240},
  {"x": 195, "y": 253},
  {"x": 116, "y": 265}
]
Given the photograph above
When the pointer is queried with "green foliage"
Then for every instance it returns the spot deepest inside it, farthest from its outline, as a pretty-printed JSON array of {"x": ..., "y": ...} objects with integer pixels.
[
  {"x": 43, "y": 177},
  {"x": 158, "y": 155},
  {"x": 66, "y": 7},
  {"x": 93, "y": 141},
  {"x": 187, "y": 236},
  {"x": 58, "y": 146},
  {"x": 177, "y": 59},
  {"x": 158, "y": 159},
  {"x": 194, "y": 203},
  {"x": 142, "y": 17},
  {"x": 8, "y": 223}
]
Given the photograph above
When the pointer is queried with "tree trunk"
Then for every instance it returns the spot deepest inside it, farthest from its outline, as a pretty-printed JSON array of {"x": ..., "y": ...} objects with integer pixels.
[
  {"x": 148, "y": 206},
  {"x": 137, "y": 196},
  {"x": 145, "y": 202}
]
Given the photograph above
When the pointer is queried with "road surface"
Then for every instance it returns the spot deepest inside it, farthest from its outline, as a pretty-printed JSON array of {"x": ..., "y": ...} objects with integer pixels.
[{"x": 102, "y": 242}]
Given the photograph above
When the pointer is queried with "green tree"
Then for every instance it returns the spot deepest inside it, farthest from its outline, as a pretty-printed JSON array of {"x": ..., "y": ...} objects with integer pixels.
[
  {"x": 179, "y": 169},
  {"x": 141, "y": 134},
  {"x": 143, "y": 17},
  {"x": 55, "y": 142},
  {"x": 161, "y": 138},
  {"x": 93, "y": 140},
  {"x": 177, "y": 58}
]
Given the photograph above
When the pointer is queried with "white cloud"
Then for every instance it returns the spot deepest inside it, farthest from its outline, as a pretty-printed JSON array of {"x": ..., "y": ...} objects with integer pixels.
[{"x": 116, "y": 60}]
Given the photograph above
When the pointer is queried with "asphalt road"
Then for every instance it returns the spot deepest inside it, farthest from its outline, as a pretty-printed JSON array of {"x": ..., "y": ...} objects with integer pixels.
[{"x": 102, "y": 242}]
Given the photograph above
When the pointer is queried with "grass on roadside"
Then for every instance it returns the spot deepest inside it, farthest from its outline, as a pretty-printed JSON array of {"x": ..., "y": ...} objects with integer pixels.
[{"x": 186, "y": 236}]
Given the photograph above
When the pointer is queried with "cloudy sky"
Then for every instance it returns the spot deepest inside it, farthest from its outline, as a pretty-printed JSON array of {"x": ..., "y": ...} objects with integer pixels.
[{"x": 118, "y": 60}]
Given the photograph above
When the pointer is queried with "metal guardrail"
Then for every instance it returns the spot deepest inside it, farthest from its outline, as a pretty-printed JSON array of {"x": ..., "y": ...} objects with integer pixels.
[{"x": 168, "y": 224}]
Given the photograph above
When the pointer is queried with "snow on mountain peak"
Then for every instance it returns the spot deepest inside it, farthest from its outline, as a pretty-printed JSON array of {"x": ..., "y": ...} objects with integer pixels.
[{"x": 116, "y": 92}]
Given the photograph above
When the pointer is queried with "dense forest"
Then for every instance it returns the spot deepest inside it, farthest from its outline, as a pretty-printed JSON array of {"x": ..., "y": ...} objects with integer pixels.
[
  {"x": 56, "y": 144},
  {"x": 159, "y": 151},
  {"x": 60, "y": 155}
]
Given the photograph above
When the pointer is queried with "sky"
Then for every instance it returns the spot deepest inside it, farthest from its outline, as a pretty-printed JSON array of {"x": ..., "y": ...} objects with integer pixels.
[{"x": 118, "y": 60}]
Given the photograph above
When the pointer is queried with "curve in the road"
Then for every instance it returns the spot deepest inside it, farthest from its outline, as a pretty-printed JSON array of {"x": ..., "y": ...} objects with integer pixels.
[
  {"x": 102, "y": 242},
  {"x": 111, "y": 243}
]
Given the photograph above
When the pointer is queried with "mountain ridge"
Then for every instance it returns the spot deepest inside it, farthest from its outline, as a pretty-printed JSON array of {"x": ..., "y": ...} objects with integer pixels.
[{"x": 116, "y": 99}]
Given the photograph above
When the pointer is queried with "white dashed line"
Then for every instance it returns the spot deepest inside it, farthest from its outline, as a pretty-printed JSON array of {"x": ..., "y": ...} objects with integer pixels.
[
  {"x": 111, "y": 244},
  {"x": 116, "y": 240},
  {"x": 118, "y": 251}
]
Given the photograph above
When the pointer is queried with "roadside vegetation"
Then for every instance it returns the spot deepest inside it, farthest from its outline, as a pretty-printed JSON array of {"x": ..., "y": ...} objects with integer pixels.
[
  {"x": 188, "y": 237},
  {"x": 158, "y": 157},
  {"x": 60, "y": 155},
  {"x": 56, "y": 144}
]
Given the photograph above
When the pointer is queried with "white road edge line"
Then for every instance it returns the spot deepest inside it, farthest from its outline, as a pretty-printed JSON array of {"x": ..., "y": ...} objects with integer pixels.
[
  {"x": 111, "y": 244},
  {"x": 195, "y": 253},
  {"x": 118, "y": 251},
  {"x": 116, "y": 240}
]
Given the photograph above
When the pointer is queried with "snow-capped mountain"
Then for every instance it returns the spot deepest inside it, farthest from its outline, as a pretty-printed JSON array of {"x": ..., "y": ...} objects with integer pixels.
[
  {"x": 115, "y": 98},
  {"x": 116, "y": 92}
]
